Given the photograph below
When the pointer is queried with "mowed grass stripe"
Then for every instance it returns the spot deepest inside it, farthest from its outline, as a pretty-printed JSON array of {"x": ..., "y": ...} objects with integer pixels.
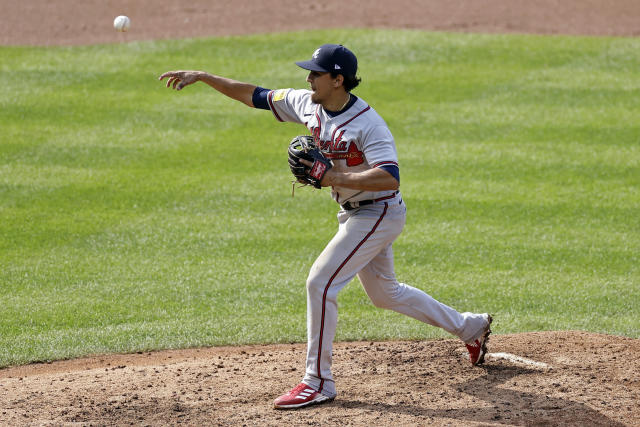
[{"x": 137, "y": 218}]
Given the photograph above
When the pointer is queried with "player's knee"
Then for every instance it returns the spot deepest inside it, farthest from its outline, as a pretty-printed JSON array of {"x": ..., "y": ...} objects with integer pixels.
[
  {"x": 386, "y": 296},
  {"x": 315, "y": 284},
  {"x": 381, "y": 302}
]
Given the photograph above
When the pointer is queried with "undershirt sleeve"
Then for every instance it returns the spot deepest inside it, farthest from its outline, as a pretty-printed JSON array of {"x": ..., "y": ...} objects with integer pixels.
[
  {"x": 393, "y": 170},
  {"x": 260, "y": 98}
]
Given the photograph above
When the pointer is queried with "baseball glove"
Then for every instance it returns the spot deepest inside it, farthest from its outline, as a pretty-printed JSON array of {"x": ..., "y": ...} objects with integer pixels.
[{"x": 303, "y": 147}]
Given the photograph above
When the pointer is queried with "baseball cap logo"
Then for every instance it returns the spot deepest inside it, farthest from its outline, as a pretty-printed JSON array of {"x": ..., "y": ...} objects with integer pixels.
[{"x": 331, "y": 58}]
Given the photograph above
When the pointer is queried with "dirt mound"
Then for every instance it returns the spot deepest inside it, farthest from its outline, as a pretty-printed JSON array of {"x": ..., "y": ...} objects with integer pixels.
[{"x": 550, "y": 378}]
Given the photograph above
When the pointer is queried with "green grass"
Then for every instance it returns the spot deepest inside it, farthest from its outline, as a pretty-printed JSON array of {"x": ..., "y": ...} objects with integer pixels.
[{"x": 135, "y": 218}]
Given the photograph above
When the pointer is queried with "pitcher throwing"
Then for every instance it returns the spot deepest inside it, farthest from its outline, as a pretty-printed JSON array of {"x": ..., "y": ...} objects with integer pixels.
[{"x": 364, "y": 177}]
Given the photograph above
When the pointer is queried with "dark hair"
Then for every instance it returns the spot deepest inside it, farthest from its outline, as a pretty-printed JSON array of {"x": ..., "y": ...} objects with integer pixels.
[{"x": 350, "y": 82}]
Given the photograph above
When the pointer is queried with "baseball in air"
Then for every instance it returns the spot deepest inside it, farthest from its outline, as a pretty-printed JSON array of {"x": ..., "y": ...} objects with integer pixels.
[{"x": 121, "y": 23}]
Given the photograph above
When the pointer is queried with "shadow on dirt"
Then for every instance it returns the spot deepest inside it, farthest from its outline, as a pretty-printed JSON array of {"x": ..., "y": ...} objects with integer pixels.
[{"x": 502, "y": 405}]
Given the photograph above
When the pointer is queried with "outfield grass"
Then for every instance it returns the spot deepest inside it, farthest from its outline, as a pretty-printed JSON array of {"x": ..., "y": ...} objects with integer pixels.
[{"x": 135, "y": 218}]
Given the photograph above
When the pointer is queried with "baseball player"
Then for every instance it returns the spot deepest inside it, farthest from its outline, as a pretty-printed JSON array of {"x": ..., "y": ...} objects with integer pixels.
[{"x": 364, "y": 181}]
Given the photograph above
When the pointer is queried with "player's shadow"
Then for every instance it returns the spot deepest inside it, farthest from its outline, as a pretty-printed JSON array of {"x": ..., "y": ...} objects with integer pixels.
[{"x": 505, "y": 406}]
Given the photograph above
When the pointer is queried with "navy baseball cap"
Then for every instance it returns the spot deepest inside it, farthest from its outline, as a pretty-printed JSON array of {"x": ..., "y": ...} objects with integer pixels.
[{"x": 332, "y": 58}]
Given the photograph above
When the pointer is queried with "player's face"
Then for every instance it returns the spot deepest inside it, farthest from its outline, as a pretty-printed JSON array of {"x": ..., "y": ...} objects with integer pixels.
[{"x": 321, "y": 85}]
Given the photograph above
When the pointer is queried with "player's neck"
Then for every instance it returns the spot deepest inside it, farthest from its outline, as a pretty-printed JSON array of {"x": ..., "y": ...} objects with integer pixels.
[{"x": 337, "y": 102}]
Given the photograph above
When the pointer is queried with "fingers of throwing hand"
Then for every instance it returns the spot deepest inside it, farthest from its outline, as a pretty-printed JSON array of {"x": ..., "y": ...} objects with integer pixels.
[
  {"x": 167, "y": 74},
  {"x": 174, "y": 80}
]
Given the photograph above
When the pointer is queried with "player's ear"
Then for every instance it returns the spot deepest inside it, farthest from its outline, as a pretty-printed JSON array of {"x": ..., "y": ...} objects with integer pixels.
[{"x": 338, "y": 81}]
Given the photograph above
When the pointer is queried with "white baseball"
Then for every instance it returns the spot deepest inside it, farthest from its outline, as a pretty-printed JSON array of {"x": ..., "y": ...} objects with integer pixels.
[{"x": 121, "y": 23}]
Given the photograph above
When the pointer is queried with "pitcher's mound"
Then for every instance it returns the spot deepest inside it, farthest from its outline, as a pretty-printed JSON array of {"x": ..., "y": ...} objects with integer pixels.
[{"x": 546, "y": 378}]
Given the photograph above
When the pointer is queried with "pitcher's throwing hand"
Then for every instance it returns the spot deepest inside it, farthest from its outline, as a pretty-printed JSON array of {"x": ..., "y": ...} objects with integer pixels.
[{"x": 180, "y": 79}]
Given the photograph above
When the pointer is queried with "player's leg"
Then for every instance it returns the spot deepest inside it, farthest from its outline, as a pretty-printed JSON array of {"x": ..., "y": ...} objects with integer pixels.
[
  {"x": 379, "y": 282},
  {"x": 361, "y": 235}
]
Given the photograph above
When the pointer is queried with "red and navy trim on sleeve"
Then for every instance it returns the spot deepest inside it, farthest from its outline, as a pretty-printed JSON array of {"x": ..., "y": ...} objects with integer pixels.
[
  {"x": 379, "y": 164},
  {"x": 272, "y": 107},
  {"x": 391, "y": 167}
]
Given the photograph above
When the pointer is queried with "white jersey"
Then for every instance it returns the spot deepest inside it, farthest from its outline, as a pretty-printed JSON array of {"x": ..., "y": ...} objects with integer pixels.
[{"x": 355, "y": 140}]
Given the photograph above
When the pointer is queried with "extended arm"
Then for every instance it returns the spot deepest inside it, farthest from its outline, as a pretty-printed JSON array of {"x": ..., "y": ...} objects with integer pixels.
[{"x": 239, "y": 91}]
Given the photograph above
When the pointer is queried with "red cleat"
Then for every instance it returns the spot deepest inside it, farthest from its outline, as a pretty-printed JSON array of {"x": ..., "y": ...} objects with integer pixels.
[
  {"x": 300, "y": 396},
  {"x": 478, "y": 349}
]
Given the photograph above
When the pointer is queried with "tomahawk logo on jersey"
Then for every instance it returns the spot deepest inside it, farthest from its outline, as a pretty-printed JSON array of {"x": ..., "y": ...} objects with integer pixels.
[
  {"x": 339, "y": 148},
  {"x": 355, "y": 140}
]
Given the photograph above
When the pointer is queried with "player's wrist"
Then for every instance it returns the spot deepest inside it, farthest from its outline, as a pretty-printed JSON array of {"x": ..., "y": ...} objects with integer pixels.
[
  {"x": 333, "y": 178},
  {"x": 200, "y": 76}
]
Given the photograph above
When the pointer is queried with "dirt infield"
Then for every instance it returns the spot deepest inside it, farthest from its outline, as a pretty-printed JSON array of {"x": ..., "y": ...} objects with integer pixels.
[
  {"x": 560, "y": 378},
  {"x": 69, "y": 22},
  {"x": 546, "y": 378}
]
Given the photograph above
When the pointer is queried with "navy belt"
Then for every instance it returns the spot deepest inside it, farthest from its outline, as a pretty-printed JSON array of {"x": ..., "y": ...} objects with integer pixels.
[{"x": 355, "y": 205}]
